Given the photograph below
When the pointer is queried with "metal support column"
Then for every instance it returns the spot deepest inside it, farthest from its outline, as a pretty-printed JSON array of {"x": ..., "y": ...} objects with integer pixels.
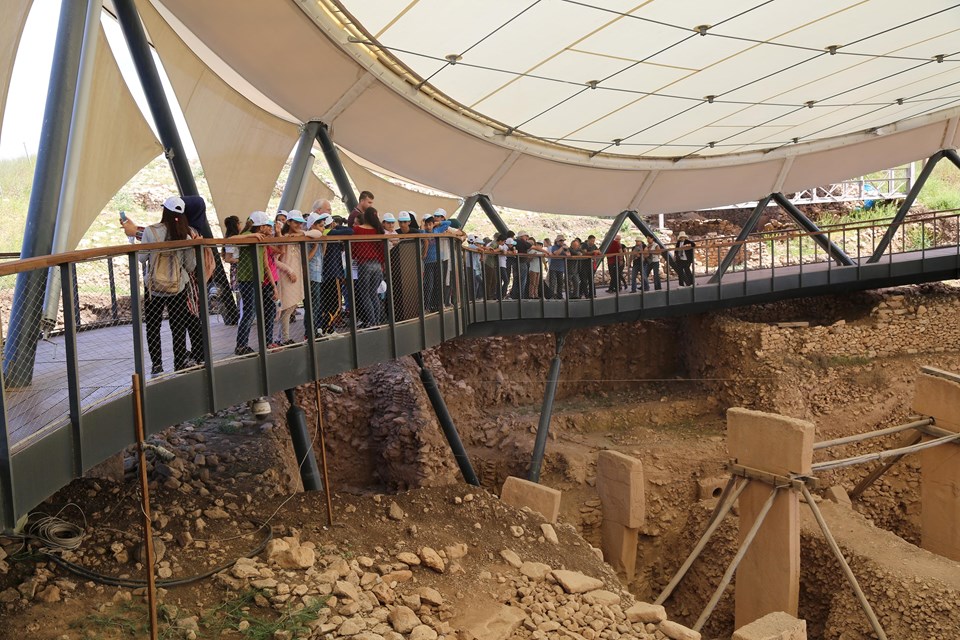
[
  {"x": 300, "y": 165},
  {"x": 908, "y": 202},
  {"x": 650, "y": 233},
  {"x": 336, "y": 167},
  {"x": 492, "y": 214},
  {"x": 24, "y": 329},
  {"x": 446, "y": 422},
  {"x": 747, "y": 229},
  {"x": 546, "y": 411},
  {"x": 302, "y": 445},
  {"x": 142, "y": 56},
  {"x": 466, "y": 209},
  {"x": 613, "y": 231},
  {"x": 74, "y": 157},
  {"x": 807, "y": 225}
]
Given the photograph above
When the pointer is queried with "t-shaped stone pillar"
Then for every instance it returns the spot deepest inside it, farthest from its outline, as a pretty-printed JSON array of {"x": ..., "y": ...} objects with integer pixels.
[
  {"x": 620, "y": 485},
  {"x": 937, "y": 395},
  {"x": 768, "y": 578}
]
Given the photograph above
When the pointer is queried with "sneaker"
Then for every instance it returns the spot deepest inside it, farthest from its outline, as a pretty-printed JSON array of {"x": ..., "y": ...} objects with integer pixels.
[
  {"x": 287, "y": 343},
  {"x": 156, "y": 370},
  {"x": 243, "y": 351}
]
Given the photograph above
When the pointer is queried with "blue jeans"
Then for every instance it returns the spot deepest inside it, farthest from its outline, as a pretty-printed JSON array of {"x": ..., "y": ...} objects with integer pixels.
[
  {"x": 432, "y": 285},
  {"x": 316, "y": 299},
  {"x": 249, "y": 311},
  {"x": 647, "y": 268},
  {"x": 369, "y": 277}
]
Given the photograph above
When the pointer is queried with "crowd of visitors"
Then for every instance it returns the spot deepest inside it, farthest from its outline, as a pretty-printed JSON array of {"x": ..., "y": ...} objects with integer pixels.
[{"x": 349, "y": 278}]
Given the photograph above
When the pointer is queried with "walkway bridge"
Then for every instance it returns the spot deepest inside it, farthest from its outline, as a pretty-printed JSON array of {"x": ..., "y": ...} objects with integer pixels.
[{"x": 71, "y": 408}]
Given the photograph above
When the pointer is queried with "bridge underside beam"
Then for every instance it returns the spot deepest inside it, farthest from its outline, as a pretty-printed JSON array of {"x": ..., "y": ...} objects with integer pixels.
[
  {"x": 546, "y": 411},
  {"x": 446, "y": 422}
]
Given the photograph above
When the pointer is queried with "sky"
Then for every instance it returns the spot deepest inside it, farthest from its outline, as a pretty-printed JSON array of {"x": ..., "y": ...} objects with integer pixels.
[{"x": 23, "y": 118}]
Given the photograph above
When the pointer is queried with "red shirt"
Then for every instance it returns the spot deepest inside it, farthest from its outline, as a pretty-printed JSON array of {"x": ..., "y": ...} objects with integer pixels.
[
  {"x": 613, "y": 248},
  {"x": 366, "y": 251}
]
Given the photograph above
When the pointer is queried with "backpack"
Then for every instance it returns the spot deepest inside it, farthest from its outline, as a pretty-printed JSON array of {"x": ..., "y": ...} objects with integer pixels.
[{"x": 165, "y": 268}]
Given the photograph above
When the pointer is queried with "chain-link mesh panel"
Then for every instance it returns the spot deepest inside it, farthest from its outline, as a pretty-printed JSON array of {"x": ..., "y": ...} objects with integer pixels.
[{"x": 34, "y": 360}]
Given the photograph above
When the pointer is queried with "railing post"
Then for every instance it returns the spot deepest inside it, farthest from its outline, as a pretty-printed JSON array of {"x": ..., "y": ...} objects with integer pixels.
[
  {"x": 309, "y": 328},
  {"x": 67, "y": 274},
  {"x": 391, "y": 312},
  {"x": 136, "y": 324},
  {"x": 262, "y": 310},
  {"x": 352, "y": 296},
  {"x": 203, "y": 320},
  {"x": 114, "y": 308}
]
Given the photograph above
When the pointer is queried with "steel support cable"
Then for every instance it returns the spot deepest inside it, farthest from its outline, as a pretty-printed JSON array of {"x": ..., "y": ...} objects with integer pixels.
[
  {"x": 724, "y": 505},
  {"x": 881, "y": 455},
  {"x": 784, "y": 115},
  {"x": 741, "y": 552},
  {"x": 711, "y": 33},
  {"x": 872, "y": 434},
  {"x": 852, "y": 579},
  {"x": 475, "y": 44}
]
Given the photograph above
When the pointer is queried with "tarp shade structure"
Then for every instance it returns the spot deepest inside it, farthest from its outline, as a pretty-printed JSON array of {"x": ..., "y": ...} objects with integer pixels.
[
  {"x": 242, "y": 147},
  {"x": 516, "y": 118},
  {"x": 118, "y": 143},
  {"x": 392, "y": 198},
  {"x": 316, "y": 189},
  {"x": 15, "y": 14}
]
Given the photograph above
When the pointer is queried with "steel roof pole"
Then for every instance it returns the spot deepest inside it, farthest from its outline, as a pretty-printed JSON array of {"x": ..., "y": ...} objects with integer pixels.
[
  {"x": 492, "y": 214},
  {"x": 332, "y": 156},
  {"x": 469, "y": 204},
  {"x": 808, "y": 225},
  {"x": 73, "y": 160},
  {"x": 142, "y": 55},
  {"x": 641, "y": 224},
  {"x": 25, "y": 313},
  {"x": 300, "y": 165},
  {"x": 904, "y": 209},
  {"x": 745, "y": 232}
]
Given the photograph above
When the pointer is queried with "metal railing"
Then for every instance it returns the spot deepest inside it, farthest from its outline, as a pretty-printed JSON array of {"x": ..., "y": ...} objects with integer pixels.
[{"x": 346, "y": 302}]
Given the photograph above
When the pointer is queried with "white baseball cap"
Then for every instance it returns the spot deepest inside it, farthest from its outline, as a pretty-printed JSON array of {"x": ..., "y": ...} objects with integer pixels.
[
  {"x": 403, "y": 216},
  {"x": 296, "y": 216},
  {"x": 388, "y": 217},
  {"x": 175, "y": 204},
  {"x": 440, "y": 212},
  {"x": 260, "y": 218},
  {"x": 312, "y": 219}
]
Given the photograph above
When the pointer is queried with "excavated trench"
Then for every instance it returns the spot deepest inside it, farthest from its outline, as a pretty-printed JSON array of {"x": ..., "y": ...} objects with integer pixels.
[{"x": 658, "y": 391}]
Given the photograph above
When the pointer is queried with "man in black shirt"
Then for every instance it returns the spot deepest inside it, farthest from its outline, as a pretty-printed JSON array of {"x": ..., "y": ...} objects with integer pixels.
[
  {"x": 521, "y": 265},
  {"x": 366, "y": 200}
]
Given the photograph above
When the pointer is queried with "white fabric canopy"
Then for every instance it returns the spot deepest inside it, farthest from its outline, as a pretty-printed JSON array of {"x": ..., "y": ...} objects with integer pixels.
[
  {"x": 756, "y": 104},
  {"x": 11, "y": 28},
  {"x": 118, "y": 142},
  {"x": 392, "y": 198},
  {"x": 242, "y": 147},
  {"x": 314, "y": 190}
]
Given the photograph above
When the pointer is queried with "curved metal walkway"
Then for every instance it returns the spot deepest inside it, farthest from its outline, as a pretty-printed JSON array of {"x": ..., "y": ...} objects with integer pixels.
[{"x": 73, "y": 408}]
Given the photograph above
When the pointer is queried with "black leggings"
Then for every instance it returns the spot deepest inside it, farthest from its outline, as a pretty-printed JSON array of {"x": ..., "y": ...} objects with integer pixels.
[{"x": 176, "y": 306}]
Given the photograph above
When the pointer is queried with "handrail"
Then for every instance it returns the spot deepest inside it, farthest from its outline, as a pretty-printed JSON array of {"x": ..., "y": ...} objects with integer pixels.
[{"x": 83, "y": 255}]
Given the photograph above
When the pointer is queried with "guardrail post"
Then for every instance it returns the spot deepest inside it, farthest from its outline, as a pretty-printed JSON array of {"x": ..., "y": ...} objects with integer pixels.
[{"x": 68, "y": 282}]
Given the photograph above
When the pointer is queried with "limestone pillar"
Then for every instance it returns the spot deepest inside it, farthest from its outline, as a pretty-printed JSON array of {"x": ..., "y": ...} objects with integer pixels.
[
  {"x": 768, "y": 579},
  {"x": 620, "y": 485},
  {"x": 938, "y": 395}
]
